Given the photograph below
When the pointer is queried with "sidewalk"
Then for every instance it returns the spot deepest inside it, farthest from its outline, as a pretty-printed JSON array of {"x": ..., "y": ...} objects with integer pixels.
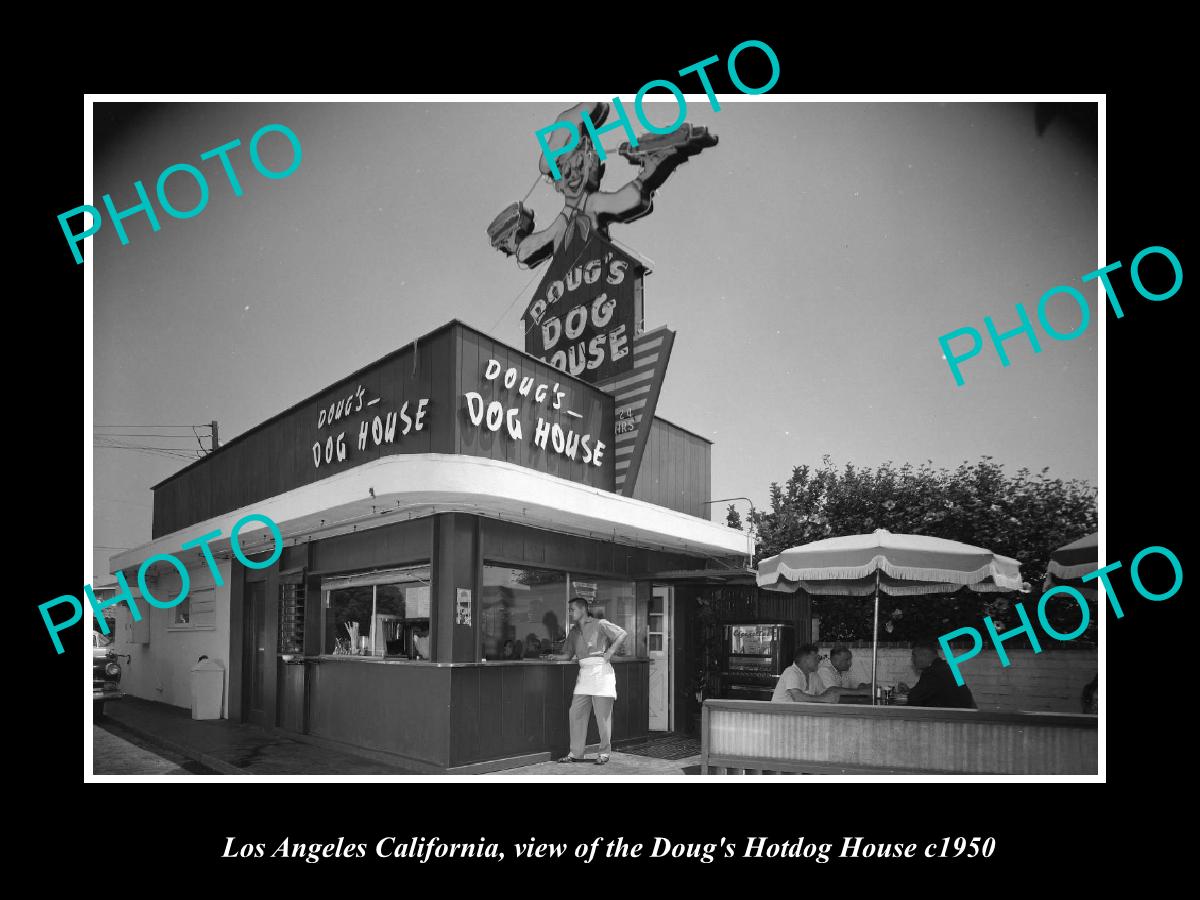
[
  {"x": 619, "y": 765},
  {"x": 234, "y": 749}
]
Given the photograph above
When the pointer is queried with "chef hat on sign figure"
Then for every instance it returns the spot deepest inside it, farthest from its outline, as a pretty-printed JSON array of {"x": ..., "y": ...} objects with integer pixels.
[{"x": 569, "y": 153}]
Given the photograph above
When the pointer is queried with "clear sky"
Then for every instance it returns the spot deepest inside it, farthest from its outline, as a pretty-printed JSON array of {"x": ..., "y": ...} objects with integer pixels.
[{"x": 808, "y": 262}]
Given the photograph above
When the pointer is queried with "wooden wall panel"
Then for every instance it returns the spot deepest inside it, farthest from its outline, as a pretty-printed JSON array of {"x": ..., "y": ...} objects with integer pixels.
[
  {"x": 676, "y": 470},
  {"x": 404, "y": 543},
  {"x": 749, "y": 734},
  {"x": 521, "y": 545},
  {"x": 277, "y": 455},
  {"x": 503, "y": 710},
  {"x": 394, "y": 708}
]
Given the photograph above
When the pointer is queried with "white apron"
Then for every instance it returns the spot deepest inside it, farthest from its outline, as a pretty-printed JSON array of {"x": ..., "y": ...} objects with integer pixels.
[{"x": 596, "y": 677}]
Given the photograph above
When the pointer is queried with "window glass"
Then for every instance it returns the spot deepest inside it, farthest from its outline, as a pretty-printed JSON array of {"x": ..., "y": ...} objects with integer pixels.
[
  {"x": 615, "y": 601},
  {"x": 378, "y": 614},
  {"x": 348, "y": 619},
  {"x": 522, "y": 612}
]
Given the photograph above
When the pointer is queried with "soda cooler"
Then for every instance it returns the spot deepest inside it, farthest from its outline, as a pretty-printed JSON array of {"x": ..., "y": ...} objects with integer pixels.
[{"x": 752, "y": 659}]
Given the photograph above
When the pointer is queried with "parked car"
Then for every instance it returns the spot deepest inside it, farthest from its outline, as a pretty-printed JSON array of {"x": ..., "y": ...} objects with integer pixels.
[{"x": 106, "y": 673}]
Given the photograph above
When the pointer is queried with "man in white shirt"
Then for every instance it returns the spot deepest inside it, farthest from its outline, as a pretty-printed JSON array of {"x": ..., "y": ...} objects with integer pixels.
[
  {"x": 834, "y": 671},
  {"x": 799, "y": 684}
]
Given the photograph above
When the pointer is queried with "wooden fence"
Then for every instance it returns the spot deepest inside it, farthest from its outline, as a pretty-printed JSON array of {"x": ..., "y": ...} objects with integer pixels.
[{"x": 754, "y": 737}]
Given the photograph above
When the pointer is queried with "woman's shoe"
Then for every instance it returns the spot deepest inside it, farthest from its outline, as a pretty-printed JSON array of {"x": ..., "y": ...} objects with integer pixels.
[{"x": 601, "y": 759}]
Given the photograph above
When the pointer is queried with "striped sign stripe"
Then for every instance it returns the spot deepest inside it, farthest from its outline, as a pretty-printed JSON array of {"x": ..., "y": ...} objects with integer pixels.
[
  {"x": 636, "y": 395},
  {"x": 633, "y": 392},
  {"x": 626, "y": 382},
  {"x": 641, "y": 346}
]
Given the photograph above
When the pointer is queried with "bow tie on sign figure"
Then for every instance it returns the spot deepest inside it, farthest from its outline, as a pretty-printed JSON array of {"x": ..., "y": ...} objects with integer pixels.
[{"x": 581, "y": 168}]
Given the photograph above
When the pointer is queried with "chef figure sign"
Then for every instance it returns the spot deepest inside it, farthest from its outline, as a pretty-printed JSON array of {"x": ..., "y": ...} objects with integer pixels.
[{"x": 572, "y": 157}]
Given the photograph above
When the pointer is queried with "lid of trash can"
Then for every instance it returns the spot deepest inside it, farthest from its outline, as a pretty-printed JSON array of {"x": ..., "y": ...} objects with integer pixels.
[{"x": 206, "y": 664}]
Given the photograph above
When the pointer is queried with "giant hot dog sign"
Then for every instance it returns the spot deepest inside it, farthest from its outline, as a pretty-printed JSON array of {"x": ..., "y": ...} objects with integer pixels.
[{"x": 585, "y": 318}]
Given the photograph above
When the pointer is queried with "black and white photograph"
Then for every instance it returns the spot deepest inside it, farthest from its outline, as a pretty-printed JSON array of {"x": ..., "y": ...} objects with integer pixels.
[{"x": 661, "y": 437}]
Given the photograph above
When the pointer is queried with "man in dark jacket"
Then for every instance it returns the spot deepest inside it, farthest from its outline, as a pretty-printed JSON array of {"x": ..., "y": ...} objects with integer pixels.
[{"x": 936, "y": 686}]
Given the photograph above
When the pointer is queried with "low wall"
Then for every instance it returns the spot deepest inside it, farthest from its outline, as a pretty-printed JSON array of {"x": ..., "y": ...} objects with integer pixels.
[
  {"x": 754, "y": 737},
  {"x": 1050, "y": 681}
]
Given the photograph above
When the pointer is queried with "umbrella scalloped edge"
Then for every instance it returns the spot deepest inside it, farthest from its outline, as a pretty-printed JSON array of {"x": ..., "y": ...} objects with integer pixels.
[{"x": 1003, "y": 581}]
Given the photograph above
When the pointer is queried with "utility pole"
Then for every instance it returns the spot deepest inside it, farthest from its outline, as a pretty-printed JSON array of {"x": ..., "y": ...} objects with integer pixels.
[{"x": 215, "y": 442}]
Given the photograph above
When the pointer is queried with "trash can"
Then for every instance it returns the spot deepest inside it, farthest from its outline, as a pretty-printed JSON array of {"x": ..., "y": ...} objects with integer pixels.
[{"x": 208, "y": 687}]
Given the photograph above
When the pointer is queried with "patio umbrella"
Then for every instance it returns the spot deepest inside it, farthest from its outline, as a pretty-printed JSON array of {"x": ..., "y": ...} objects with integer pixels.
[
  {"x": 897, "y": 564},
  {"x": 1070, "y": 563}
]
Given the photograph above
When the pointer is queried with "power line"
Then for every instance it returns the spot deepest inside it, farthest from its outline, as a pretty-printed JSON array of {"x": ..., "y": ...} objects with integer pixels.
[
  {"x": 147, "y": 447},
  {"x": 143, "y": 434},
  {"x": 151, "y": 450},
  {"x": 187, "y": 425},
  {"x": 199, "y": 442}
]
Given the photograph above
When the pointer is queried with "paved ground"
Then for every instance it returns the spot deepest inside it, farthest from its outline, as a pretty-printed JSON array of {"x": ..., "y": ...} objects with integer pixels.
[
  {"x": 118, "y": 751},
  {"x": 619, "y": 765},
  {"x": 229, "y": 748},
  {"x": 139, "y": 737}
]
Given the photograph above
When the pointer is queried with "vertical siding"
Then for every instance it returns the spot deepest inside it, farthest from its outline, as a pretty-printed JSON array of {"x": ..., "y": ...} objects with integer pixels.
[
  {"x": 595, "y": 407},
  {"x": 956, "y": 741},
  {"x": 509, "y": 710},
  {"x": 675, "y": 470},
  {"x": 277, "y": 456}
]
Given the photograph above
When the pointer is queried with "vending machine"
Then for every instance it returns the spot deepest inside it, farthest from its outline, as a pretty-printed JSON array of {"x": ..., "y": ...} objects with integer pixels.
[{"x": 752, "y": 659}]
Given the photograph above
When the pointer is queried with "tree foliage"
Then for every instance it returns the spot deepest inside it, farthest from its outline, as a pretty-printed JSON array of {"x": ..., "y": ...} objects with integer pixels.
[{"x": 1026, "y": 516}]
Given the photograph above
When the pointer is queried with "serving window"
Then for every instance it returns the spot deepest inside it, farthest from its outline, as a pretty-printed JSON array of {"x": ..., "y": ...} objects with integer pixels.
[
  {"x": 615, "y": 601},
  {"x": 524, "y": 614},
  {"x": 378, "y": 614}
]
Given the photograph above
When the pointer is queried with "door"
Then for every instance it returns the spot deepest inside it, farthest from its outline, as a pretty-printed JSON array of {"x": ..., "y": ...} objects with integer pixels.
[
  {"x": 258, "y": 651},
  {"x": 658, "y": 645}
]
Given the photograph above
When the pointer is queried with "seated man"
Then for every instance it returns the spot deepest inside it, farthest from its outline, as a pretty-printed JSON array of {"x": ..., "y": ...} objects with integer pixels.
[
  {"x": 834, "y": 671},
  {"x": 799, "y": 683},
  {"x": 533, "y": 646},
  {"x": 936, "y": 686}
]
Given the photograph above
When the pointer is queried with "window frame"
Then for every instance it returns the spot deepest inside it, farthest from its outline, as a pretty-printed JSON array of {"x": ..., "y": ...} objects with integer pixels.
[
  {"x": 173, "y": 624},
  {"x": 490, "y": 562},
  {"x": 373, "y": 578},
  {"x": 631, "y": 645}
]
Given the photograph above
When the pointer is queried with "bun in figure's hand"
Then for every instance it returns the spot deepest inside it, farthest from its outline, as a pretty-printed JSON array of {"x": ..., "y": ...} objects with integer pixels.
[{"x": 510, "y": 228}]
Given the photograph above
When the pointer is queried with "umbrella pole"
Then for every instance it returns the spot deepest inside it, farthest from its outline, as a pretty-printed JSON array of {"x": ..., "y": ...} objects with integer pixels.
[{"x": 875, "y": 642}]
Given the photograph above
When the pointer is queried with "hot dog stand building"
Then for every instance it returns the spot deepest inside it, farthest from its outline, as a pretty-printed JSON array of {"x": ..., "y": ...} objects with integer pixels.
[
  {"x": 438, "y": 509},
  {"x": 444, "y": 503}
]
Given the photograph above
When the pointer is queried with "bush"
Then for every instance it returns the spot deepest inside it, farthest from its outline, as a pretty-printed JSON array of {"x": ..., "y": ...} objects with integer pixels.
[{"x": 1026, "y": 516}]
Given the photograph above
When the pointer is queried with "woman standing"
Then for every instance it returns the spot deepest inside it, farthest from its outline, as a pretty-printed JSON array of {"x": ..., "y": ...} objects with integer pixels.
[{"x": 593, "y": 642}]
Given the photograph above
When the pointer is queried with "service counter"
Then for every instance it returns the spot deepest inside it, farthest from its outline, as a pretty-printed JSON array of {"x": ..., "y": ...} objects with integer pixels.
[{"x": 430, "y": 716}]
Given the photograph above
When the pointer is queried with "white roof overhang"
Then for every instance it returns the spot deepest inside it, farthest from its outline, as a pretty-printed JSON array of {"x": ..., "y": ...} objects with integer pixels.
[{"x": 408, "y": 486}]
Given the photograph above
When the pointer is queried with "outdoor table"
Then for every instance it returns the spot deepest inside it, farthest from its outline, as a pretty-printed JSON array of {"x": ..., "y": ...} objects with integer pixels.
[{"x": 865, "y": 700}]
